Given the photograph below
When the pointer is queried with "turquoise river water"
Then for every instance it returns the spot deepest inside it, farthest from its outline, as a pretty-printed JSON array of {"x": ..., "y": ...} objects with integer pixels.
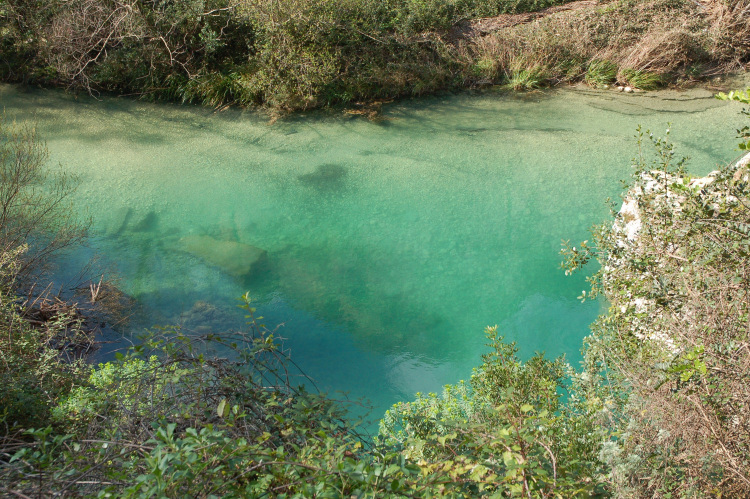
[{"x": 384, "y": 247}]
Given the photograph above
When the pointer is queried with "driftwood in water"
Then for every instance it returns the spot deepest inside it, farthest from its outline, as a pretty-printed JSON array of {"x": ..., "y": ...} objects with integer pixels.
[{"x": 74, "y": 326}]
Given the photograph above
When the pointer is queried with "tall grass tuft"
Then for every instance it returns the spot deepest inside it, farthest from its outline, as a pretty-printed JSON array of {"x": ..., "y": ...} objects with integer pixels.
[
  {"x": 644, "y": 80},
  {"x": 601, "y": 72},
  {"x": 528, "y": 78}
]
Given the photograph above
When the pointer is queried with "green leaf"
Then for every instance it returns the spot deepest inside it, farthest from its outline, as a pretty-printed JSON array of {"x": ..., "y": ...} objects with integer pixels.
[{"x": 223, "y": 409}]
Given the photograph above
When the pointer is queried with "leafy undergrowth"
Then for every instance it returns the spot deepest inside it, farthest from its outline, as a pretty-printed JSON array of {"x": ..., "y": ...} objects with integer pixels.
[
  {"x": 302, "y": 54},
  {"x": 167, "y": 421}
]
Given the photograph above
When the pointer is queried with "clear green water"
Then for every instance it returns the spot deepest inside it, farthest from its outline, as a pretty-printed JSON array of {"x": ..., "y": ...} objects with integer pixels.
[{"x": 390, "y": 245}]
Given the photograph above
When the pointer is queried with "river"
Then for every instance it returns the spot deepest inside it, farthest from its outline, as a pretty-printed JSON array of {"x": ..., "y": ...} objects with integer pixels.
[{"x": 383, "y": 247}]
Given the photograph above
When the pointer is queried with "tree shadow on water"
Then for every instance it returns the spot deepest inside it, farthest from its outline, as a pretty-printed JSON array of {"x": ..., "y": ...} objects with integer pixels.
[{"x": 328, "y": 176}]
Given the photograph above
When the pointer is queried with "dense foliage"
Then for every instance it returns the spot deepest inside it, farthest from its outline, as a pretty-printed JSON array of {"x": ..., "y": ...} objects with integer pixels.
[
  {"x": 506, "y": 432},
  {"x": 672, "y": 353},
  {"x": 299, "y": 54}
]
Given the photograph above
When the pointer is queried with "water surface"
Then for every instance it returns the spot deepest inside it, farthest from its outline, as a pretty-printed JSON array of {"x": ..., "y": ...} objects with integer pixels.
[{"x": 384, "y": 247}]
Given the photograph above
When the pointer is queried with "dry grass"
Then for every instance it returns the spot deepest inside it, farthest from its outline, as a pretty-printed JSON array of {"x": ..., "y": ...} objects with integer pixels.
[
  {"x": 676, "y": 340},
  {"x": 730, "y": 32},
  {"x": 686, "y": 41}
]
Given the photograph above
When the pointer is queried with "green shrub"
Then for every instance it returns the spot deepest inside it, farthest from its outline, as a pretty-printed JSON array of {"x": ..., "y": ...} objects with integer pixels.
[
  {"x": 184, "y": 423},
  {"x": 120, "y": 392},
  {"x": 744, "y": 132},
  {"x": 37, "y": 222},
  {"x": 33, "y": 378},
  {"x": 417, "y": 16},
  {"x": 510, "y": 409},
  {"x": 667, "y": 352}
]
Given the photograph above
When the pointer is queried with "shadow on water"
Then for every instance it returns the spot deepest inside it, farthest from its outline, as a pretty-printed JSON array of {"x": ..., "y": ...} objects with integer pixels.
[{"x": 328, "y": 176}]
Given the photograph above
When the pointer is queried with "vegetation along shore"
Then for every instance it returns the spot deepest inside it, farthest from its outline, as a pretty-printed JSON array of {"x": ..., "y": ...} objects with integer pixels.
[{"x": 303, "y": 54}]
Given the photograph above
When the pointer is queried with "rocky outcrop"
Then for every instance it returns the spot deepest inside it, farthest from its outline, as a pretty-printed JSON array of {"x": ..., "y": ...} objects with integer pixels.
[
  {"x": 659, "y": 195},
  {"x": 669, "y": 191}
]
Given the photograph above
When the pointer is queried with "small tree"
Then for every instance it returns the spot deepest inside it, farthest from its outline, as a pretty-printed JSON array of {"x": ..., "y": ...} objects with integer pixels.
[
  {"x": 35, "y": 207},
  {"x": 36, "y": 220}
]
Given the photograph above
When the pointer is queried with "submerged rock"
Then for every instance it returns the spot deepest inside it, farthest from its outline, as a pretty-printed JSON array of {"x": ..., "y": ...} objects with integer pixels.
[
  {"x": 237, "y": 259},
  {"x": 325, "y": 176},
  {"x": 205, "y": 317}
]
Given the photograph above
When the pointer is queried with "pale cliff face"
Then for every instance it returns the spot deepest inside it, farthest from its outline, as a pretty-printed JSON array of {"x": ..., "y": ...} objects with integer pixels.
[{"x": 658, "y": 190}]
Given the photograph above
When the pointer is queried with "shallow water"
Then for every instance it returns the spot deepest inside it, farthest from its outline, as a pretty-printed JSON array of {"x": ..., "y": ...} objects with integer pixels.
[{"x": 389, "y": 245}]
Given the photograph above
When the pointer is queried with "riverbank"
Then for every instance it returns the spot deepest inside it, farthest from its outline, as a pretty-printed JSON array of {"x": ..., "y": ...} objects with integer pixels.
[{"x": 292, "y": 56}]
